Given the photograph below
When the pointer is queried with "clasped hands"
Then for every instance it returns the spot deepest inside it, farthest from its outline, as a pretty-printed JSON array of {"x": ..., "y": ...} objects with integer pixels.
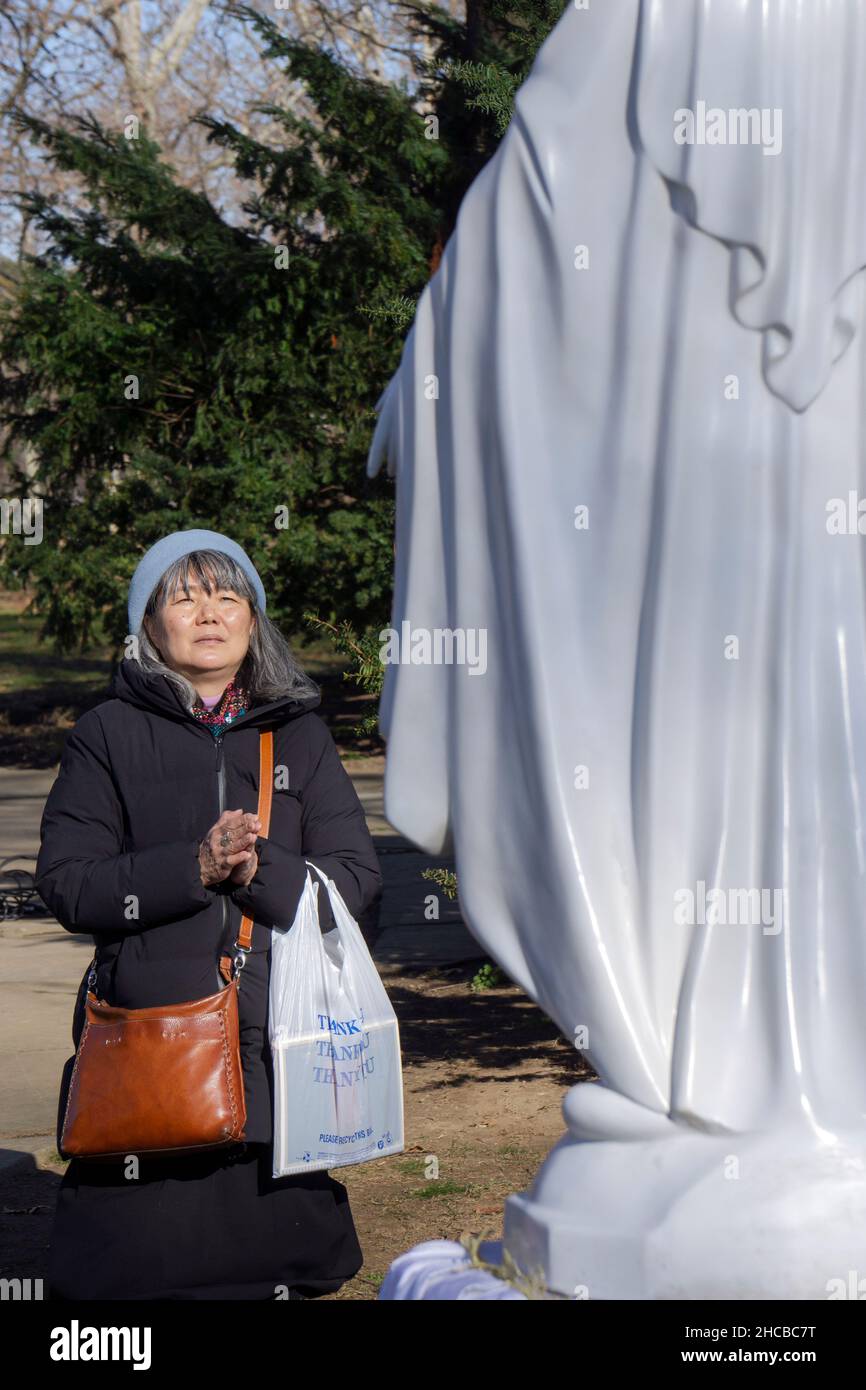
[{"x": 226, "y": 852}]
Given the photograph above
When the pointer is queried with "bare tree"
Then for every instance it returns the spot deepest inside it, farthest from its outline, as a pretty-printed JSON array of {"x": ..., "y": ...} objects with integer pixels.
[{"x": 166, "y": 65}]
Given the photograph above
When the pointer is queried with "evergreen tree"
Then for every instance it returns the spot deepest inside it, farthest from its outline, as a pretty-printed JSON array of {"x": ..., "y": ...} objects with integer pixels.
[{"x": 172, "y": 369}]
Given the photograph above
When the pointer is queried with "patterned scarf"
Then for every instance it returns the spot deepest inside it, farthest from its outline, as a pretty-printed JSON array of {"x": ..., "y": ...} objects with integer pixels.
[{"x": 231, "y": 706}]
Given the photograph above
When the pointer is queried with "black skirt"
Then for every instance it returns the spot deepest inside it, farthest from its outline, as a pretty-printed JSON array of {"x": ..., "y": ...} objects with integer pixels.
[{"x": 200, "y": 1227}]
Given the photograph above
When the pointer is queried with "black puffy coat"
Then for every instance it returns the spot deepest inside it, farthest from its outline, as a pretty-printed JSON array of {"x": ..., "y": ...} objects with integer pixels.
[{"x": 141, "y": 781}]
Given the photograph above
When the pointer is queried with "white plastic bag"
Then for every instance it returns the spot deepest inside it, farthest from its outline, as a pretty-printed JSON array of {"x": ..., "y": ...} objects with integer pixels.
[{"x": 335, "y": 1043}]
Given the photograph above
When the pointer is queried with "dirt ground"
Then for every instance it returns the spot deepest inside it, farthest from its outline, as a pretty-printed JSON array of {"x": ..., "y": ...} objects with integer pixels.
[{"x": 484, "y": 1077}]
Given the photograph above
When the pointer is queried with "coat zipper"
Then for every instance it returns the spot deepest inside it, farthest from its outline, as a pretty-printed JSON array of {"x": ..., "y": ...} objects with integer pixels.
[{"x": 221, "y": 786}]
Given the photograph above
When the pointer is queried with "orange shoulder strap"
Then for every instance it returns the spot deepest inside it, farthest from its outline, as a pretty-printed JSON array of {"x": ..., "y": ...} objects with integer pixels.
[{"x": 266, "y": 792}]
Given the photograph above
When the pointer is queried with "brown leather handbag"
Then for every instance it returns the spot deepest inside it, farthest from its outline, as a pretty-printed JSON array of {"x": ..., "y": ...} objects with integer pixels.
[{"x": 164, "y": 1080}]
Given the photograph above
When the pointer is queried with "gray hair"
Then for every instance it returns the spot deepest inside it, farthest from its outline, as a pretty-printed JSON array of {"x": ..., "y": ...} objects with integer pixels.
[{"x": 268, "y": 671}]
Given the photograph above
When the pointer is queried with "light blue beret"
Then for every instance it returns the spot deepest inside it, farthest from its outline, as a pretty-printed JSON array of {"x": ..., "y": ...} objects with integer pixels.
[{"x": 155, "y": 561}]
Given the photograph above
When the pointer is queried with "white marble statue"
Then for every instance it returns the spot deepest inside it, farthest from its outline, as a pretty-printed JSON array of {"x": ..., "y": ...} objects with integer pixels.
[{"x": 629, "y": 440}]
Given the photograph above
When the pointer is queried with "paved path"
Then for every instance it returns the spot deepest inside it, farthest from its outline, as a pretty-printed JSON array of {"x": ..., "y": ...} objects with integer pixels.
[{"x": 41, "y": 964}]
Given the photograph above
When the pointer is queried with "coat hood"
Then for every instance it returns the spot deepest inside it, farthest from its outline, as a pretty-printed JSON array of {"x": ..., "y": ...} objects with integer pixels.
[{"x": 150, "y": 690}]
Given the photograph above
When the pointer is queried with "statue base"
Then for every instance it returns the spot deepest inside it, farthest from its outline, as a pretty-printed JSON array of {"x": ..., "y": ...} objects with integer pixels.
[{"x": 632, "y": 1205}]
